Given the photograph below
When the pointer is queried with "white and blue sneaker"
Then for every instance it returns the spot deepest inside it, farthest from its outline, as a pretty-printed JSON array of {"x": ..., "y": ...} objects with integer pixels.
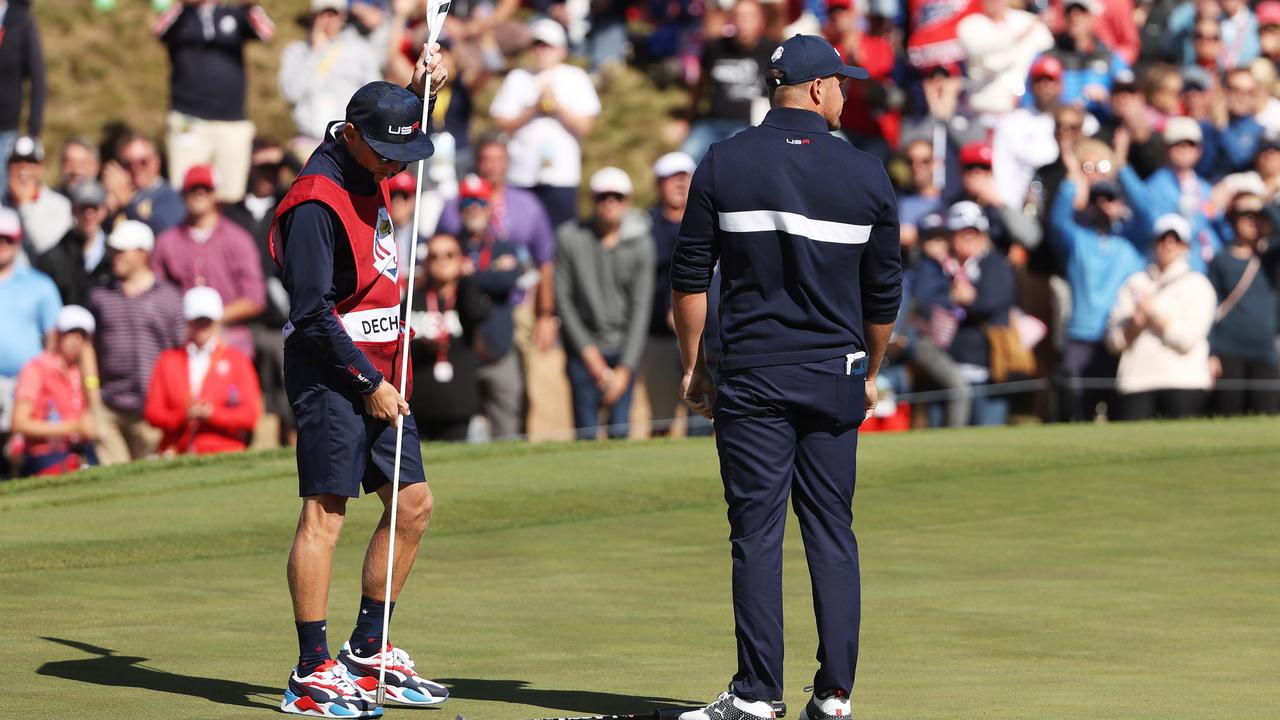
[
  {"x": 404, "y": 686},
  {"x": 731, "y": 707},
  {"x": 327, "y": 692},
  {"x": 831, "y": 707}
]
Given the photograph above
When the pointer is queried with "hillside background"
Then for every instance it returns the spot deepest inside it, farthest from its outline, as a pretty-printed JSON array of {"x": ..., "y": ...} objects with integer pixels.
[{"x": 106, "y": 68}]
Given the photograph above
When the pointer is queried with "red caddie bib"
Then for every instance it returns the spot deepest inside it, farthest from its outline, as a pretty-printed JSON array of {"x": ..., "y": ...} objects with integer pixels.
[{"x": 371, "y": 313}]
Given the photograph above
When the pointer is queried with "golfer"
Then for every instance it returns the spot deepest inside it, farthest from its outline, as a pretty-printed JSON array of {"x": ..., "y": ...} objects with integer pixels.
[
  {"x": 804, "y": 228},
  {"x": 333, "y": 240}
]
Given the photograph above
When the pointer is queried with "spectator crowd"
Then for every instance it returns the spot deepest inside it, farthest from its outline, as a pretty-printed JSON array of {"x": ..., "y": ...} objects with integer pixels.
[{"x": 1087, "y": 195}]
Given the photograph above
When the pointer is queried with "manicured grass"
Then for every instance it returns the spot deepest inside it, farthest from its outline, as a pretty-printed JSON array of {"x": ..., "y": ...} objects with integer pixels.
[{"x": 1069, "y": 572}]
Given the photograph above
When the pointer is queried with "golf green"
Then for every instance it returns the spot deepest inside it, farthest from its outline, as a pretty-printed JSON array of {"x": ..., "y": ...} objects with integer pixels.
[{"x": 1119, "y": 571}]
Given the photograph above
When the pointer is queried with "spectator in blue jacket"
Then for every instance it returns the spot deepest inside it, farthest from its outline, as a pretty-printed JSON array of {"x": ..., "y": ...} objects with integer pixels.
[
  {"x": 1089, "y": 66},
  {"x": 1100, "y": 246},
  {"x": 1177, "y": 188},
  {"x": 1238, "y": 141},
  {"x": 976, "y": 284}
]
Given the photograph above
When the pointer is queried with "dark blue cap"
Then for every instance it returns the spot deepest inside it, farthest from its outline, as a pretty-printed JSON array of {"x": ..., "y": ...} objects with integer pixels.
[
  {"x": 802, "y": 58},
  {"x": 390, "y": 119}
]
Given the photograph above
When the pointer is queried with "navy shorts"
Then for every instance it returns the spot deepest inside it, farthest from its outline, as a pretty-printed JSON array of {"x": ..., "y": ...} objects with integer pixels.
[{"x": 340, "y": 449}]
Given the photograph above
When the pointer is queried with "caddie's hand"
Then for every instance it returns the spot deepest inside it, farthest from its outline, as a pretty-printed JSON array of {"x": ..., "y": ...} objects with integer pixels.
[
  {"x": 698, "y": 392},
  {"x": 386, "y": 403},
  {"x": 872, "y": 397},
  {"x": 429, "y": 64}
]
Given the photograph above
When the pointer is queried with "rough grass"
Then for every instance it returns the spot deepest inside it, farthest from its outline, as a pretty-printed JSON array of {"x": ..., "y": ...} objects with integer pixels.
[{"x": 1124, "y": 572}]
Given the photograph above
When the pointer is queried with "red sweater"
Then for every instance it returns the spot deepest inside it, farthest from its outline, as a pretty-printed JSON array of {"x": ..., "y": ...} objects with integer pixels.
[{"x": 230, "y": 386}]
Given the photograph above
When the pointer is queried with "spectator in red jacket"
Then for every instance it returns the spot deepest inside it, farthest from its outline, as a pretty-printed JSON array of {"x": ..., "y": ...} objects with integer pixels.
[{"x": 204, "y": 396}]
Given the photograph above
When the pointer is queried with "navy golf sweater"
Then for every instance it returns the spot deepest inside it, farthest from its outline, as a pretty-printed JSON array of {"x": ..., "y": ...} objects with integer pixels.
[{"x": 805, "y": 229}]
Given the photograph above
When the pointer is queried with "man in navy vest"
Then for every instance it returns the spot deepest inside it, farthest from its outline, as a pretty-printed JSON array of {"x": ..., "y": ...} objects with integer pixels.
[
  {"x": 333, "y": 240},
  {"x": 804, "y": 228}
]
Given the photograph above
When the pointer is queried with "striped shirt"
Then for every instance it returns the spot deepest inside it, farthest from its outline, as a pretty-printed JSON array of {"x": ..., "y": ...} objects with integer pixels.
[
  {"x": 131, "y": 334},
  {"x": 805, "y": 230}
]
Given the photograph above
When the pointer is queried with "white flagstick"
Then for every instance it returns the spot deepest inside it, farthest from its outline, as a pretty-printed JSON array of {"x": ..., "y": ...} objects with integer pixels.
[{"x": 436, "y": 12}]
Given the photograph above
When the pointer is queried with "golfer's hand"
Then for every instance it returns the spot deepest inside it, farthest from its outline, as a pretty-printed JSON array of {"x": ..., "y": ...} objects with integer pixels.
[
  {"x": 872, "y": 394},
  {"x": 698, "y": 392},
  {"x": 386, "y": 403},
  {"x": 429, "y": 64}
]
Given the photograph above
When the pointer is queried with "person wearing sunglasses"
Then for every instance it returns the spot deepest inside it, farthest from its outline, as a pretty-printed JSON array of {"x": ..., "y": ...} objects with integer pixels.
[
  {"x": 1245, "y": 277},
  {"x": 29, "y": 306},
  {"x": 1179, "y": 188},
  {"x": 604, "y": 293},
  {"x": 804, "y": 230},
  {"x": 334, "y": 242}
]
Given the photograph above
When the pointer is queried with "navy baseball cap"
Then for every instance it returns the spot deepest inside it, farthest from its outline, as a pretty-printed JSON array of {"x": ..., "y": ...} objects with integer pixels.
[
  {"x": 802, "y": 58},
  {"x": 390, "y": 119}
]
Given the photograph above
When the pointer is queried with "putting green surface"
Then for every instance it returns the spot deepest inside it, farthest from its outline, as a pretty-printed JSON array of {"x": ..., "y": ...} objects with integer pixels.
[{"x": 1075, "y": 572}]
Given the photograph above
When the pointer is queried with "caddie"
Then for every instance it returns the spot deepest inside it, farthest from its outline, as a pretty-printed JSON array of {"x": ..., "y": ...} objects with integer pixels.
[{"x": 334, "y": 243}]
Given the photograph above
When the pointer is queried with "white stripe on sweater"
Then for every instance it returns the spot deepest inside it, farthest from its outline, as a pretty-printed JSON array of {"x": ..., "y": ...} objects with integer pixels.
[{"x": 794, "y": 224}]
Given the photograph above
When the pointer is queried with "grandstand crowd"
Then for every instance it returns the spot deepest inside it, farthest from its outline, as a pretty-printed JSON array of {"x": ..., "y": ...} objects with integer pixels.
[{"x": 1087, "y": 198}]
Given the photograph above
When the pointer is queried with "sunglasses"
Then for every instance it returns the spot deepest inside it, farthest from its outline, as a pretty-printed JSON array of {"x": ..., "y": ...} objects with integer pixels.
[
  {"x": 1254, "y": 215},
  {"x": 619, "y": 197},
  {"x": 382, "y": 160},
  {"x": 473, "y": 202},
  {"x": 137, "y": 161},
  {"x": 1088, "y": 167},
  {"x": 8, "y": 240}
]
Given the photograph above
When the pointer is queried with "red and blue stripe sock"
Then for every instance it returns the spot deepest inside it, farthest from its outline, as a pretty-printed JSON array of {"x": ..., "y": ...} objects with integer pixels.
[
  {"x": 313, "y": 646},
  {"x": 366, "y": 639}
]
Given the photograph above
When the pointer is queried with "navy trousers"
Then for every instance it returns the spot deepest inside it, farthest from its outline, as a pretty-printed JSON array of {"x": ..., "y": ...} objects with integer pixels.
[{"x": 780, "y": 431}]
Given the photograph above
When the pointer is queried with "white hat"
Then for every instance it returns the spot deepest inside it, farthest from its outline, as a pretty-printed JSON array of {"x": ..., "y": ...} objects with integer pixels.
[
  {"x": 1093, "y": 6},
  {"x": 1182, "y": 129},
  {"x": 319, "y": 6},
  {"x": 1173, "y": 223},
  {"x": 132, "y": 235},
  {"x": 966, "y": 214},
  {"x": 74, "y": 317},
  {"x": 673, "y": 163},
  {"x": 10, "y": 223},
  {"x": 550, "y": 32},
  {"x": 611, "y": 180},
  {"x": 202, "y": 301}
]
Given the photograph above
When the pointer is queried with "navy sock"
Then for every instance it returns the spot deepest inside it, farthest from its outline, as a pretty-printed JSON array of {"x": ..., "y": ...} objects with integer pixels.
[
  {"x": 366, "y": 639},
  {"x": 313, "y": 646}
]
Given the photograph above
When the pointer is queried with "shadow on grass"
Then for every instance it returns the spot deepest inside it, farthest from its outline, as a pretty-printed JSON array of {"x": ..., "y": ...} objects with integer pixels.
[
  {"x": 518, "y": 692},
  {"x": 113, "y": 670}
]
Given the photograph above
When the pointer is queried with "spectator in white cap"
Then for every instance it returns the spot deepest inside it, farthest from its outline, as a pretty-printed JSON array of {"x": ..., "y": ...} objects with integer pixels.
[
  {"x": 53, "y": 429},
  {"x": 662, "y": 369},
  {"x": 604, "y": 293},
  {"x": 1177, "y": 188},
  {"x": 203, "y": 396},
  {"x": 1160, "y": 328},
  {"x": 139, "y": 316},
  {"x": 974, "y": 286},
  {"x": 80, "y": 260},
  {"x": 29, "y": 306},
  {"x": 548, "y": 110},
  {"x": 46, "y": 213}
]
